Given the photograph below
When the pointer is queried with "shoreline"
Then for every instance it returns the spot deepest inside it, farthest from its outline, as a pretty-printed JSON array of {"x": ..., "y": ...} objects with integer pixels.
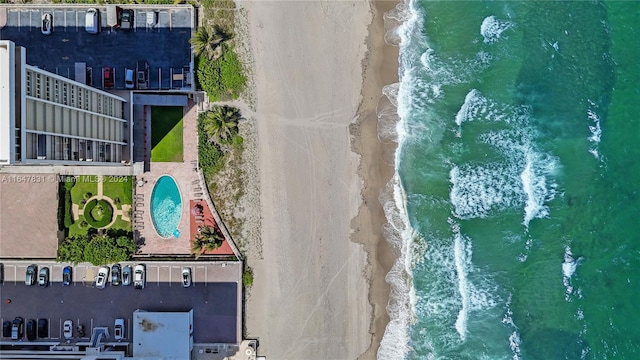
[{"x": 380, "y": 69}]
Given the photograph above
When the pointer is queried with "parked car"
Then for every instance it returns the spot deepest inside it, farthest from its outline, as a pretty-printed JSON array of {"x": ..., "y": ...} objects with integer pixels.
[
  {"x": 143, "y": 74},
  {"x": 126, "y": 19},
  {"x": 31, "y": 329},
  {"x": 129, "y": 80},
  {"x": 17, "y": 328},
  {"x": 186, "y": 276},
  {"x": 92, "y": 21},
  {"x": 126, "y": 275},
  {"x": 67, "y": 276},
  {"x": 115, "y": 275},
  {"x": 118, "y": 329},
  {"x": 43, "y": 328},
  {"x": 30, "y": 278},
  {"x": 6, "y": 329},
  {"x": 107, "y": 74},
  {"x": 101, "y": 280},
  {"x": 43, "y": 279},
  {"x": 47, "y": 24},
  {"x": 67, "y": 329},
  {"x": 139, "y": 277}
]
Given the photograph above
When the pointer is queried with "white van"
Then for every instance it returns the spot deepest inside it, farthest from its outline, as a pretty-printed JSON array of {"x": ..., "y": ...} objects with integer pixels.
[{"x": 92, "y": 21}]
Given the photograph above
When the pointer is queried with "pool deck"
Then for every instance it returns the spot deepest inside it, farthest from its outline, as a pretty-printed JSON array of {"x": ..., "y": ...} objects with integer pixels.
[{"x": 192, "y": 188}]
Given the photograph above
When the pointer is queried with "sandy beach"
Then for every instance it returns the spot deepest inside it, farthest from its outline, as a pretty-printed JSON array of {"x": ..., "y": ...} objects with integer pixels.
[{"x": 319, "y": 289}]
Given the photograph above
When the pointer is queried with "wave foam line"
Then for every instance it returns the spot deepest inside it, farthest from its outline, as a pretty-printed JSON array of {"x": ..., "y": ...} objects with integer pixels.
[
  {"x": 397, "y": 230},
  {"x": 462, "y": 254},
  {"x": 595, "y": 130}
]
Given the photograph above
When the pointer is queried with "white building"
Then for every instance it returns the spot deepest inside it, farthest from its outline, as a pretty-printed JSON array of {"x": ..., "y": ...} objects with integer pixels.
[
  {"x": 47, "y": 119},
  {"x": 162, "y": 335}
]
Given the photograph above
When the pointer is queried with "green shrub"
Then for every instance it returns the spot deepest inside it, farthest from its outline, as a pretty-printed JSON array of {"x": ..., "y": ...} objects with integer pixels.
[
  {"x": 210, "y": 156},
  {"x": 222, "y": 78},
  {"x": 68, "y": 216},
  {"x": 83, "y": 224},
  {"x": 87, "y": 195},
  {"x": 98, "y": 213},
  {"x": 97, "y": 249},
  {"x": 247, "y": 277}
]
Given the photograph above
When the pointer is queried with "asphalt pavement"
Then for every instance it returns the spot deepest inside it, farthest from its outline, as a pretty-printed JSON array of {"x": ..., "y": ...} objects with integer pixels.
[{"x": 164, "y": 45}]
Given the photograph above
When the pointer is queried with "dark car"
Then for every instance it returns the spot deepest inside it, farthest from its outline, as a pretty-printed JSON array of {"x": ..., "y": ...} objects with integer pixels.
[
  {"x": 142, "y": 74},
  {"x": 108, "y": 77},
  {"x": 17, "y": 328},
  {"x": 126, "y": 19},
  {"x": 67, "y": 276},
  {"x": 115, "y": 275},
  {"x": 1, "y": 273},
  {"x": 43, "y": 328},
  {"x": 6, "y": 329},
  {"x": 47, "y": 24},
  {"x": 43, "y": 278},
  {"x": 31, "y": 329},
  {"x": 126, "y": 275},
  {"x": 31, "y": 274}
]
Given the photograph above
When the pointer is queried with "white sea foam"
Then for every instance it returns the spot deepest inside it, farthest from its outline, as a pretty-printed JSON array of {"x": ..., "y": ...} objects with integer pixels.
[
  {"x": 400, "y": 23},
  {"x": 595, "y": 130},
  {"x": 401, "y": 307},
  {"x": 534, "y": 183},
  {"x": 477, "y": 190},
  {"x": 492, "y": 28},
  {"x": 388, "y": 117},
  {"x": 525, "y": 177},
  {"x": 569, "y": 266},
  {"x": 462, "y": 254},
  {"x": 514, "y": 337}
]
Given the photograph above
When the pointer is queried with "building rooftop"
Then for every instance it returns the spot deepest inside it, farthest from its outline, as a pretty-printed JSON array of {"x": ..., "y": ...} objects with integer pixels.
[
  {"x": 29, "y": 216},
  {"x": 162, "y": 335}
]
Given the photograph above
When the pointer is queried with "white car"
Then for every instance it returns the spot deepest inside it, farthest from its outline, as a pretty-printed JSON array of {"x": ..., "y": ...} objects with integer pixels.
[
  {"x": 118, "y": 329},
  {"x": 138, "y": 277},
  {"x": 101, "y": 280},
  {"x": 67, "y": 329}
]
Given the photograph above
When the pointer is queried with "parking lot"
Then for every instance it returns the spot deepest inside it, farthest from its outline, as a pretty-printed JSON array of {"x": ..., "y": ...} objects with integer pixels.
[
  {"x": 213, "y": 296},
  {"x": 164, "y": 44}
]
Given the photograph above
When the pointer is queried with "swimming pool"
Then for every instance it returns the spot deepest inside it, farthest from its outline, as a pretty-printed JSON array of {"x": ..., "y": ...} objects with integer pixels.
[{"x": 166, "y": 207}]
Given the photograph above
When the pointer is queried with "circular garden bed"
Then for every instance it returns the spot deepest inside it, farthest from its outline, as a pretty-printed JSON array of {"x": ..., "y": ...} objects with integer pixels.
[{"x": 98, "y": 213}]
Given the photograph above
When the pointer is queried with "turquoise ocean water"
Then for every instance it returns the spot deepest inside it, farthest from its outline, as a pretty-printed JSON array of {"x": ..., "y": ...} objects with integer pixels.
[{"x": 516, "y": 203}]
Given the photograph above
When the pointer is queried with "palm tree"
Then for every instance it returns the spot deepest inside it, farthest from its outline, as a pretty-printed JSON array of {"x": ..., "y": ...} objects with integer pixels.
[
  {"x": 221, "y": 124},
  {"x": 208, "y": 239},
  {"x": 207, "y": 40}
]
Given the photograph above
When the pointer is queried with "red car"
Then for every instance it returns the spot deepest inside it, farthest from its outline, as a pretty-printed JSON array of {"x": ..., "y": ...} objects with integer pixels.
[{"x": 108, "y": 77}]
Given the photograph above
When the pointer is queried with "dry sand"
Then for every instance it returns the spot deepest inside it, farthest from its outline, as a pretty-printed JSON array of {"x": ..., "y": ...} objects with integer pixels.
[{"x": 310, "y": 298}]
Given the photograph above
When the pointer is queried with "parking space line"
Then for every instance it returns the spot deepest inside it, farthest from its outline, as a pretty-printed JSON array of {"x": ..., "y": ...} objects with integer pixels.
[{"x": 158, "y": 278}]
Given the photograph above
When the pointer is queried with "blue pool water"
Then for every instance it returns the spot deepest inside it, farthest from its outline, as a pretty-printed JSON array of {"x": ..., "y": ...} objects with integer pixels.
[{"x": 166, "y": 207}]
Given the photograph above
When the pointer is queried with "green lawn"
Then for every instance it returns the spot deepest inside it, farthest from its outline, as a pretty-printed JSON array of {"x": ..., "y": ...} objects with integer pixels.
[
  {"x": 82, "y": 187},
  {"x": 166, "y": 134},
  {"x": 118, "y": 187},
  {"x": 115, "y": 187}
]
